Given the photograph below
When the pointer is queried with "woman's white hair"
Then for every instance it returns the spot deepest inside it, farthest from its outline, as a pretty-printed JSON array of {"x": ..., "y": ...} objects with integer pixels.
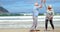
[{"x": 50, "y": 6}]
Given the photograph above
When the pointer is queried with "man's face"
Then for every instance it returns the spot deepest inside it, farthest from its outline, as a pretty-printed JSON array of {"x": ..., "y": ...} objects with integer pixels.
[{"x": 36, "y": 4}]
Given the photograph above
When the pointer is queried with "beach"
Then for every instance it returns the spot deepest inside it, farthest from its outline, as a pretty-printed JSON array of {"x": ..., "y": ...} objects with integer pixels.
[{"x": 57, "y": 29}]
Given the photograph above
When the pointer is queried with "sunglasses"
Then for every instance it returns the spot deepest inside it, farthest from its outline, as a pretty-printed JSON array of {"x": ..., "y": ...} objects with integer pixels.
[{"x": 49, "y": 8}]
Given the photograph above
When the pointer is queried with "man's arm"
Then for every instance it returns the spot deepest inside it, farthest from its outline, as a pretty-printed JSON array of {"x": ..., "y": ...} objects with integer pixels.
[
  {"x": 40, "y": 6},
  {"x": 42, "y": 2}
]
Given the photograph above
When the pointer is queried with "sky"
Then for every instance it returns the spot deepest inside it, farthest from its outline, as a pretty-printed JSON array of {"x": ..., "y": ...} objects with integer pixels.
[{"x": 19, "y": 6}]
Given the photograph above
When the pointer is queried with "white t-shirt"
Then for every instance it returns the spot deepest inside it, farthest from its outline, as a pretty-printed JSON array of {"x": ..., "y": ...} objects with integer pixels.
[{"x": 49, "y": 14}]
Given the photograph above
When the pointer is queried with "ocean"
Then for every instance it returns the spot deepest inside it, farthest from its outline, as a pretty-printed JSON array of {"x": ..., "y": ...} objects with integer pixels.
[{"x": 25, "y": 21}]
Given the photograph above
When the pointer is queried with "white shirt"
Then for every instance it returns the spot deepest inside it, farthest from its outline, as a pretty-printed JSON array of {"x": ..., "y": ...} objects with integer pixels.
[{"x": 49, "y": 14}]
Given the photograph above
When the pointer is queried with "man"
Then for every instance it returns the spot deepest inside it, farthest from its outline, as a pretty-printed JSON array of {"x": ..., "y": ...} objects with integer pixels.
[
  {"x": 35, "y": 15},
  {"x": 49, "y": 16}
]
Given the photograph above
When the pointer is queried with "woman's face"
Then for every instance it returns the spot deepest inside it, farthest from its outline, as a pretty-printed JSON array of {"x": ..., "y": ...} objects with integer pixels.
[{"x": 49, "y": 8}]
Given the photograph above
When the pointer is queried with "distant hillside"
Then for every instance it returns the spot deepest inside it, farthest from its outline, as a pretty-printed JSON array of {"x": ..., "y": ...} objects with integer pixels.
[{"x": 3, "y": 10}]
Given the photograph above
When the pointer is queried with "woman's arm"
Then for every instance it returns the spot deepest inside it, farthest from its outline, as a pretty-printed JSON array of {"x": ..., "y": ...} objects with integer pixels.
[{"x": 44, "y": 2}]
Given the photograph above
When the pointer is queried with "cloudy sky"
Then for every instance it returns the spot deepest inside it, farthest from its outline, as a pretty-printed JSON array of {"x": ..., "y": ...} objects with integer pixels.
[{"x": 17, "y": 6}]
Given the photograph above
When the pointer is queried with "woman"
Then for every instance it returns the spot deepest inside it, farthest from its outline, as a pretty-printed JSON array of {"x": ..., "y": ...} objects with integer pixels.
[{"x": 49, "y": 16}]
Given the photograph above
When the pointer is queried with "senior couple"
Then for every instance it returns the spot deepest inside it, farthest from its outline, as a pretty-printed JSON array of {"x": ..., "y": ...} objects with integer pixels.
[{"x": 49, "y": 15}]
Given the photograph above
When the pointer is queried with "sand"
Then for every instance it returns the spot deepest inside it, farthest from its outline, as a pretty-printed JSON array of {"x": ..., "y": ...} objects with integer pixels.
[{"x": 27, "y": 30}]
